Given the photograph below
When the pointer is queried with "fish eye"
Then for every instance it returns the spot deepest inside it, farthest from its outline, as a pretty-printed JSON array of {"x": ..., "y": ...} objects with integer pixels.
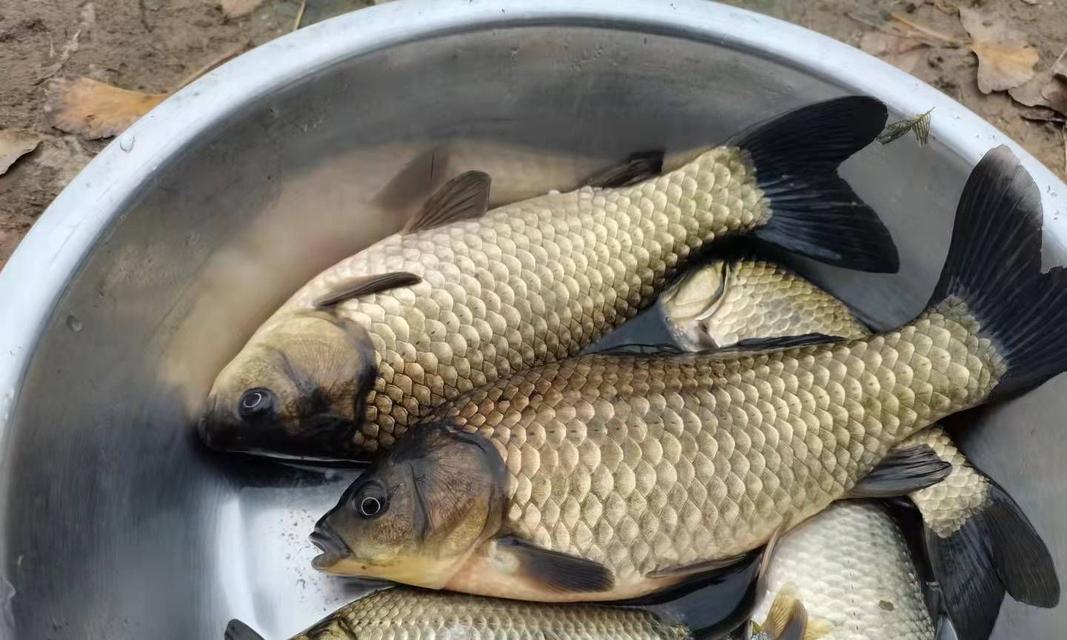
[
  {"x": 255, "y": 402},
  {"x": 371, "y": 501}
]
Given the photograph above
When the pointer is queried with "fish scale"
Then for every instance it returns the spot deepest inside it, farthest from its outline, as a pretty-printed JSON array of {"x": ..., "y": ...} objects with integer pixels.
[
  {"x": 763, "y": 300},
  {"x": 403, "y": 614},
  {"x": 502, "y": 292},
  {"x": 714, "y": 443}
]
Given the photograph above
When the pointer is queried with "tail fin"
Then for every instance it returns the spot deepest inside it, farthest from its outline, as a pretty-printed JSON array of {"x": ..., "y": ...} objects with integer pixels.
[
  {"x": 813, "y": 211},
  {"x": 996, "y": 549},
  {"x": 994, "y": 269}
]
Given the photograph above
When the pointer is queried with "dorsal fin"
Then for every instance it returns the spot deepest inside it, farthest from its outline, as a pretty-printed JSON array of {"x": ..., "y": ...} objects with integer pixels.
[
  {"x": 462, "y": 198},
  {"x": 365, "y": 285},
  {"x": 636, "y": 168}
]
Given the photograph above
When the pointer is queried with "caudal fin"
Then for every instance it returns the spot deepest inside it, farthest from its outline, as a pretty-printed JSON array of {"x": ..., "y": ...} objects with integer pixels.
[
  {"x": 993, "y": 274},
  {"x": 994, "y": 550},
  {"x": 813, "y": 211}
]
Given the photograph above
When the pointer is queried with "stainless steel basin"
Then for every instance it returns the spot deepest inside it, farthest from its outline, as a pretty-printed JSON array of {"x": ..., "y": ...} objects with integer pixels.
[{"x": 155, "y": 264}]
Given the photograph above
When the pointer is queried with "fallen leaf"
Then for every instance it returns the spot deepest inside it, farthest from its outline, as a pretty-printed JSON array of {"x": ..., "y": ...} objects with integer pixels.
[
  {"x": 1055, "y": 94},
  {"x": 14, "y": 144},
  {"x": 1005, "y": 60},
  {"x": 95, "y": 109},
  {"x": 1036, "y": 91},
  {"x": 899, "y": 51},
  {"x": 238, "y": 8},
  {"x": 1043, "y": 115}
]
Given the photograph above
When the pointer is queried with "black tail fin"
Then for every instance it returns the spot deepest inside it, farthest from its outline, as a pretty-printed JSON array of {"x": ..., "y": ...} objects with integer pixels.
[
  {"x": 994, "y": 268},
  {"x": 995, "y": 549},
  {"x": 813, "y": 211}
]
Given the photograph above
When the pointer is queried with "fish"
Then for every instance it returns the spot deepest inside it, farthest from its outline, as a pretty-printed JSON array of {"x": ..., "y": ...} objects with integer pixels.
[
  {"x": 463, "y": 296},
  {"x": 412, "y": 614},
  {"x": 604, "y": 476},
  {"x": 975, "y": 534},
  {"x": 851, "y": 569}
]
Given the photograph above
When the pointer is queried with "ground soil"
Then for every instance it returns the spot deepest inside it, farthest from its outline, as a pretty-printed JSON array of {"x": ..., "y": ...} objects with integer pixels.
[{"x": 153, "y": 45}]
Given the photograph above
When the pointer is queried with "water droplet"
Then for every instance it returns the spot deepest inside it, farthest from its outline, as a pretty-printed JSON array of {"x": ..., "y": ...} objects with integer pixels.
[
  {"x": 73, "y": 323},
  {"x": 126, "y": 142}
]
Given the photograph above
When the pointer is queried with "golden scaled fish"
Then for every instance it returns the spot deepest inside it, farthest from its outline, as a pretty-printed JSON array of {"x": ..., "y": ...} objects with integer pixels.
[
  {"x": 978, "y": 540},
  {"x": 851, "y": 568},
  {"x": 611, "y": 476},
  {"x": 463, "y": 296},
  {"x": 412, "y": 614}
]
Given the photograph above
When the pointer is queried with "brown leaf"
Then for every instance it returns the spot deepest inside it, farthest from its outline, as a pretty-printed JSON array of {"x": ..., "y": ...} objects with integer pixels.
[
  {"x": 95, "y": 109},
  {"x": 238, "y": 8},
  {"x": 1055, "y": 94},
  {"x": 903, "y": 53},
  {"x": 1036, "y": 91},
  {"x": 1005, "y": 60},
  {"x": 15, "y": 143}
]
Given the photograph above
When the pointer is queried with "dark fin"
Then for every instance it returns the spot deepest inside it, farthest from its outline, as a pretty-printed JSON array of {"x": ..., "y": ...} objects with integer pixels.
[
  {"x": 712, "y": 604},
  {"x": 902, "y": 471},
  {"x": 943, "y": 629},
  {"x": 971, "y": 592},
  {"x": 994, "y": 269},
  {"x": 813, "y": 211},
  {"x": 700, "y": 568},
  {"x": 787, "y": 619},
  {"x": 555, "y": 570},
  {"x": 997, "y": 549},
  {"x": 464, "y": 197},
  {"x": 415, "y": 182},
  {"x": 1023, "y": 562},
  {"x": 637, "y": 168},
  {"x": 783, "y": 342},
  {"x": 638, "y": 349},
  {"x": 365, "y": 285},
  {"x": 237, "y": 630}
]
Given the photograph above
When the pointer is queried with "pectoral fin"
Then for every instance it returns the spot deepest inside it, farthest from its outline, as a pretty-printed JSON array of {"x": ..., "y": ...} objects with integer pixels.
[
  {"x": 365, "y": 285},
  {"x": 237, "y": 630},
  {"x": 637, "y": 168},
  {"x": 464, "y": 197},
  {"x": 788, "y": 620},
  {"x": 699, "y": 568},
  {"x": 904, "y": 470},
  {"x": 554, "y": 570}
]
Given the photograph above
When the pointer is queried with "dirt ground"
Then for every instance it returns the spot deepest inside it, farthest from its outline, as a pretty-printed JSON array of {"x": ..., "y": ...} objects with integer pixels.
[{"x": 155, "y": 45}]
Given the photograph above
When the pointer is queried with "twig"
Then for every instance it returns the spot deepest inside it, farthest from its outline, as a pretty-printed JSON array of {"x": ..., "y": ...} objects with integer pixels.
[
  {"x": 226, "y": 57},
  {"x": 865, "y": 21},
  {"x": 937, "y": 35},
  {"x": 300, "y": 14}
]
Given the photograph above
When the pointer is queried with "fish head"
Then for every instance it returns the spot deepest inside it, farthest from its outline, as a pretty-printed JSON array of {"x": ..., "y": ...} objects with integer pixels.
[
  {"x": 691, "y": 304},
  {"x": 297, "y": 389},
  {"x": 417, "y": 514}
]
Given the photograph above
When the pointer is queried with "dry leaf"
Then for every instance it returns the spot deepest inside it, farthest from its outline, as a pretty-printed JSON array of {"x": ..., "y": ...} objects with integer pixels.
[
  {"x": 1004, "y": 59},
  {"x": 238, "y": 8},
  {"x": 95, "y": 109},
  {"x": 1044, "y": 86},
  {"x": 903, "y": 53},
  {"x": 1055, "y": 94},
  {"x": 14, "y": 144}
]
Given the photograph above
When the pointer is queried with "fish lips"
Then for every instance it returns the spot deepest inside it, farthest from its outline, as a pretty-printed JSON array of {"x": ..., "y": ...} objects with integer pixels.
[{"x": 333, "y": 548}]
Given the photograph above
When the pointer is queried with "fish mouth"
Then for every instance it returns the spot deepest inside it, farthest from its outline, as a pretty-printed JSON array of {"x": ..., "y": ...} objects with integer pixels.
[{"x": 332, "y": 546}]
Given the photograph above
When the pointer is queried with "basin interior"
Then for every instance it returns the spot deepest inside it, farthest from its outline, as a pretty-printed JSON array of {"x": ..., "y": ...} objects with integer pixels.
[{"x": 117, "y": 525}]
